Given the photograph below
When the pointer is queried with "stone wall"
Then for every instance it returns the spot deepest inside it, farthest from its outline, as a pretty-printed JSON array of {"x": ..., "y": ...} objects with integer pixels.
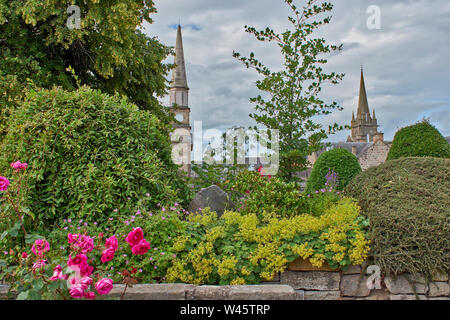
[
  {"x": 312, "y": 283},
  {"x": 301, "y": 281}
]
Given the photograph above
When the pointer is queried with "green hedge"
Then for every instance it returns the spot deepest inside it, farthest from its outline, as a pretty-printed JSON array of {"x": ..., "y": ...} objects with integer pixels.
[
  {"x": 90, "y": 153},
  {"x": 407, "y": 202},
  {"x": 419, "y": 140},
  {"x": 341, "y": 161}
]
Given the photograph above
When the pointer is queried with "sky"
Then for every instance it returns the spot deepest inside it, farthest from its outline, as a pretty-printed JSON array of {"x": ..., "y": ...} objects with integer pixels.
[{"x": 406, "y": 61}]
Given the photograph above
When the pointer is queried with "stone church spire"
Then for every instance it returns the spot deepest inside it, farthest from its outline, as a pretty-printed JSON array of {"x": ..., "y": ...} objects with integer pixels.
[
  {"x": 179, "y": 103},
  {"x": 364, "y": 127},
  {"x": 179, "y": 79},
  {"x": 363, "y": 105},
  {"x": 179, "y": 90}
]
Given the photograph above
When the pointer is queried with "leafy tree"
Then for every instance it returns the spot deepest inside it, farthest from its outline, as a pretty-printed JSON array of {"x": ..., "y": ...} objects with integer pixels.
[
  {"x": 292, "y": 99},
  {"x": 109, "y": 52}
]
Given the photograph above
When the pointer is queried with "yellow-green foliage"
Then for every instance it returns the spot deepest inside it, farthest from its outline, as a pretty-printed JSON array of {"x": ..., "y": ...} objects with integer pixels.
[{"x": 238, "y": 249}]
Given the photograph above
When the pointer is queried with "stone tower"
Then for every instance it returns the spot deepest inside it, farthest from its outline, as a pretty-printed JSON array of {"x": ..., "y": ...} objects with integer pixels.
[
  {"x": 179, "y": 103},
  {"x": 364, "y": 126}
]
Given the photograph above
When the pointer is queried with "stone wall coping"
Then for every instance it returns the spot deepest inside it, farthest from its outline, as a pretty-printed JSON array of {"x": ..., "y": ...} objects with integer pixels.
[{"x": 292, "y": 285}]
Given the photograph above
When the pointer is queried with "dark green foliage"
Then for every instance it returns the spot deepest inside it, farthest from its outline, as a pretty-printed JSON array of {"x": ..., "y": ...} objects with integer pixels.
[
  {"x": 419, "y": 140},
  {"x": 109, "y": 52},
  {"x": 341, "y": 161},
  {"x": 88, "y": 152},
  {"x": 407, "y": 202},
  {"x": 253, "y": 193},
  {"x": 10, "y": 94},
  {"x": 210, "y": 174}
]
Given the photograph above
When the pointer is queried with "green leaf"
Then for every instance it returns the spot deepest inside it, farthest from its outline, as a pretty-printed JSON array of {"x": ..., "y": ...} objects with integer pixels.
[
  {"x": 34, "y": 295},
  {"x": 54, "y": 285},
  {"x": 31, "y": 238},
  {"x": 23, "y": 295},
  {"x": 4, "y": 234},
  {"x": 37, "y": 284}
]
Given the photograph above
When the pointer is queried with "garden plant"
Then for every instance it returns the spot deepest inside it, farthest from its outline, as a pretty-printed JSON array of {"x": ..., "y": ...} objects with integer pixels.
[{"x": 83, "y": 259}]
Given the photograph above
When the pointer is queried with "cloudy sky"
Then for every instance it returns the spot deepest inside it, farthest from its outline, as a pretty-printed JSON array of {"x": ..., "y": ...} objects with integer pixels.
[{"x": 406, "y": 62}]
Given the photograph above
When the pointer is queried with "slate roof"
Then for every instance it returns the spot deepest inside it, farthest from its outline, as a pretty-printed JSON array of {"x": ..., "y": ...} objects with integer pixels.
[{"x": 361, "y": 147}]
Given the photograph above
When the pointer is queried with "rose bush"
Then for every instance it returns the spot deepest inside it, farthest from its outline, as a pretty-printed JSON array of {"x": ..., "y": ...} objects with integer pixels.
[{"x": 59, "y": 277}]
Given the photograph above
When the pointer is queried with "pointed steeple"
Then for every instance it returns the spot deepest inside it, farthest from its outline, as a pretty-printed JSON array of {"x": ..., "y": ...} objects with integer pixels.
[
  {"x": 363, "y": 105},
  {"x": 179, "y": 79},
  {"x": 353, "y": 116},
  {"x": 373, "y": 114},
  {"x": 364, "y": 127}
]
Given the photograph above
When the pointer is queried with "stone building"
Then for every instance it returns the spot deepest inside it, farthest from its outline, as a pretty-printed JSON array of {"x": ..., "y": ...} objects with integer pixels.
[
  {"x": 179, "y": 104},
  {"x": 369, "y": 154}
]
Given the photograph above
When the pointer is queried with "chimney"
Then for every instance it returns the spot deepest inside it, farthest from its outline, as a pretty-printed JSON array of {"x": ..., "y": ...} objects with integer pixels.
[
  {"x": 378, "y": 137},
  {"x": 354, "y": 150}
]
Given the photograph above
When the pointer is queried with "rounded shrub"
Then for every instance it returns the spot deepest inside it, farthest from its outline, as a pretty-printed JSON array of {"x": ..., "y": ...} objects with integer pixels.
[
  {"x": 419, "y": 140},
  {"x": 407, "y": 203},
  {"x": 341, "y": 161},
  {"x": 90, "y": 155}
]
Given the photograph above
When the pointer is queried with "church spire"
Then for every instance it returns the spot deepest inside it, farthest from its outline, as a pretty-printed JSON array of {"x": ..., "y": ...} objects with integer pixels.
[
  {"x": 179, "y": 103},
  {"x": 364, "y": 128},
  {"x": 363, "y": 105},
  {"x": 179, "y": 79}
]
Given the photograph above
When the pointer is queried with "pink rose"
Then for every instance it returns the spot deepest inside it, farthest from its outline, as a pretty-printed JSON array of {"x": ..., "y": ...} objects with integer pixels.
[
  {"x": 77, "y": 263},
  {"x": 135, "y": 236},
  {"x": 107, "y": 255},
  {"x": 90, "y": 295},
  {"x": 112, "y": 242},
  {"x": 72, "y": 237},
  {"x": 82, "y": 243},
  {"x": 24, "y": 255},
  {"x": 4, "y": 183},
  {"x": 77, "y": 291},
  {"x": 104, "y": 286},
  {"x": 19, "y": 166},
  {"x": 85, "y": 244},
  {"x": 40, "y": 247},
  {"x": 57, "y": 274},
  {"x": 141, "y": 248},
  {"x": 74, "y": 281},
  {"x": 86, "y": 270},
  {"x": 86, "y": 282},
  {"x": 39, "y": 266}
]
